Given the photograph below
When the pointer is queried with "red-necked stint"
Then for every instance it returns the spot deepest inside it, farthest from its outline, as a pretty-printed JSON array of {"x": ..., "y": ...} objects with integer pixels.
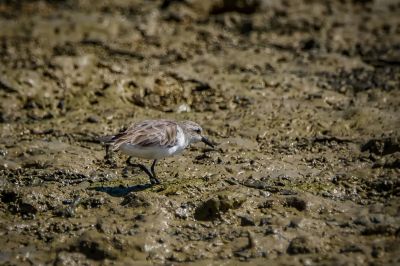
[{"x": 156, "y": 139}]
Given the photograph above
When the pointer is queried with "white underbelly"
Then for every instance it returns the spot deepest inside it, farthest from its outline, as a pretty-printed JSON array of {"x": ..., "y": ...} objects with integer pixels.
[
  {"x": 155, "y": 152},
  {"x": 149, "y": 152}
]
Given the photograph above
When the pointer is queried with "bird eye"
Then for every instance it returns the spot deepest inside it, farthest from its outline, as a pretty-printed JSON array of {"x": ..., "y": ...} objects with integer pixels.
[{"x": 197, "y": 130}]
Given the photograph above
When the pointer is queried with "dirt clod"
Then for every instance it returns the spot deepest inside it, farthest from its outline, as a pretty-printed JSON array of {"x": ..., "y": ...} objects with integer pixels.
[
  {"x": 214, "y": 207},
  {"x": 301, "y": 245},
  {"x": 95, "y": 246}
]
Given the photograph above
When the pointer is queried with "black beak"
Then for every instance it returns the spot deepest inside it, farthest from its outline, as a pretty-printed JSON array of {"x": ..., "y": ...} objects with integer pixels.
[{"x": 206, "y": 141}]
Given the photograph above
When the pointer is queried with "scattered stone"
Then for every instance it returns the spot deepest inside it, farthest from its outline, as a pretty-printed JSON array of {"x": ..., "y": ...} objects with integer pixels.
[
  {"x": 301, "y": 245},
  {"x": 183, "y": 108},
  {"x": 352, "y": 248},
  {"x": 264, "y": 194},
  {"x": 7, "y": 164},
  {"x": 240, "y": 6},
  {"x": 268, "y": 204},
  {"x": 382, "y": 146},
  {"x": 182, "y": 212},
  {"x": 136, "y": 200},
  {"x": 271, "y": 231},
  {"x": 287, "y": 192},
  {"x": 297, "y": 222},
  {"x": 94, "y": 202},
  {"x": 70, "y": 210},
  {"x": 259, "y": 184},
  {"x": 93, "y": 119},
  {"x": 297, "y": 203},
  {"x": 214, "y": 207},
  {"x": 95, "y": 246},
  {"x": 9, "y": 196},
  {"x": 377, "y": 251},
  {"x": 107, "y": 226},
  {"x": 252, "y": 249},
  {"x": 362, "y": 220},
  {"x": 379, "y": 229},
  {"x": 71, "y": 258},
  {"x": 27, "y": 204},
  {"x": 247, "y": 220},
  {"x": 389, "y": 161},
  {"x": 265, "y": 221}
]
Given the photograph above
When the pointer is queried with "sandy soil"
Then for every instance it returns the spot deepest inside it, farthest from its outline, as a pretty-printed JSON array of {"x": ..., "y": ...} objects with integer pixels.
[{"x": 302, "y": 98}]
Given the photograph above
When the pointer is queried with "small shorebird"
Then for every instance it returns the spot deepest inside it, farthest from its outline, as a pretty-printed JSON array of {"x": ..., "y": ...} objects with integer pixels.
[{"x": 156, "y": 139}]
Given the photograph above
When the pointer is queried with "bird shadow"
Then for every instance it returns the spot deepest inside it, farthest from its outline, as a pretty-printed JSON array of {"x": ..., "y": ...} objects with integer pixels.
[{"x": 121, "y": 191}]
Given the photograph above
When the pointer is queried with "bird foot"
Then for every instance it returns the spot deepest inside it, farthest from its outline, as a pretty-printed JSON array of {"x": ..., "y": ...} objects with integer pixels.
[{"x": 154, "y": 181}]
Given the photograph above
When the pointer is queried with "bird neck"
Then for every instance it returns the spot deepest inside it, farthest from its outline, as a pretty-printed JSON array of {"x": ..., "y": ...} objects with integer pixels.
[{"x": 185, "y": 137}]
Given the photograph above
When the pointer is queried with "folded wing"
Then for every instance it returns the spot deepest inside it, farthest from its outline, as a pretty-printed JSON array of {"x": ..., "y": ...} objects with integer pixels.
[{"x": 148, "y": 133}]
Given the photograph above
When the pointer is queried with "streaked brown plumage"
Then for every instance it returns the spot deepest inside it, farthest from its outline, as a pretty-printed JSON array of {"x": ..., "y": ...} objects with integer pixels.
[{"x": 147, "y": 133}]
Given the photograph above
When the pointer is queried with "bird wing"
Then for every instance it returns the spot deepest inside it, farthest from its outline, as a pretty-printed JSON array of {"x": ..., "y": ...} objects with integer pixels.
[{"x": 148, "y": 133}]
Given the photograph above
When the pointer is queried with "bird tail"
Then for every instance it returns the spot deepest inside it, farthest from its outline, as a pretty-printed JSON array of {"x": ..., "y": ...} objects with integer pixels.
[{"x": 106, "y": 139}]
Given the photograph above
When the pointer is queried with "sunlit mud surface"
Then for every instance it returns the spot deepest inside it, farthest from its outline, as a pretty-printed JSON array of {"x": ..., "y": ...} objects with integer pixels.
[{"x": 302, "y": 98}]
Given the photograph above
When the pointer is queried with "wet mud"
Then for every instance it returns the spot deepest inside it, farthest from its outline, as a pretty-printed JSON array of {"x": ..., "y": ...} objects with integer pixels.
[{"x": 302, "y": 98}]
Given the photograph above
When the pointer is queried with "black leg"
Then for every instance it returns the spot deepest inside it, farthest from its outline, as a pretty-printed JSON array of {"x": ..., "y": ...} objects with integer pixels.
[
  {"x": 153, "y": 165},
  {"x": 150, "y": 173},
  {"x": 109, "y": 156},
  {"x": 128, "y": 161},
  {"x": 152, "y": 168}
]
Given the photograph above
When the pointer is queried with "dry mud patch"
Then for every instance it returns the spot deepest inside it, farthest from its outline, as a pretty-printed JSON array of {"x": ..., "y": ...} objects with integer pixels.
[{"x": 302, "y": 98}]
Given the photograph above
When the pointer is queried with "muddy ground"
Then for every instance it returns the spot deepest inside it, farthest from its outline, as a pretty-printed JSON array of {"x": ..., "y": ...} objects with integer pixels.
[{"x": 302, "y": 98}]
